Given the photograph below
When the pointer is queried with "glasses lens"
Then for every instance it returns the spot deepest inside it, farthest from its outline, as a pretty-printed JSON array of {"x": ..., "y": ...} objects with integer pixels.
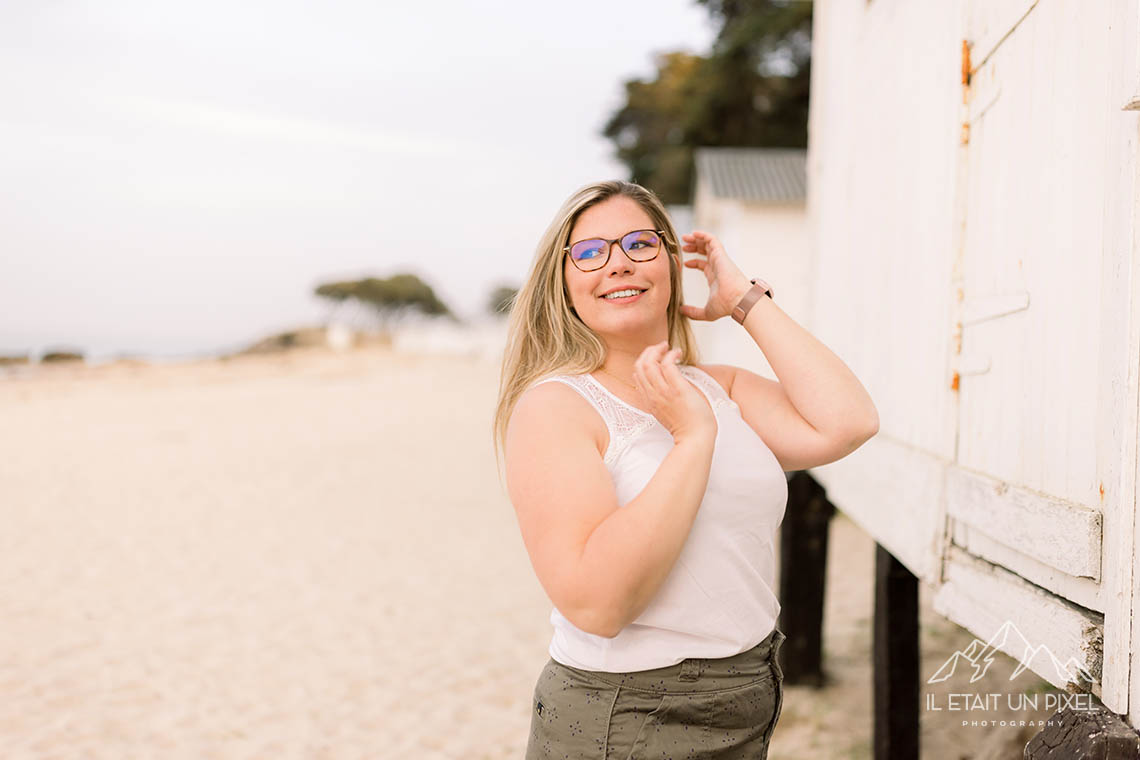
[
  {"x": 588, "y": 254},
  {"x": 641, "y": 245}
]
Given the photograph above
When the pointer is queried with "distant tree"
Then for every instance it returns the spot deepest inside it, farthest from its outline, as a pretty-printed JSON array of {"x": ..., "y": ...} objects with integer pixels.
[
  {"x": 338, "y": 294},
  {"x": 391, "y": 300},
  {"x": 758, "y": 75},
  {"x": 751, "y": 90},
  {"x": 62, "y": 355},
  {"x": 501, "y": 300},
  {"x": 651, "y": 131}
]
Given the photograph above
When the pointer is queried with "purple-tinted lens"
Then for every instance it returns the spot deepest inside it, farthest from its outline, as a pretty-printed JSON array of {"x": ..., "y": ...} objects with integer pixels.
[
  {"x": 588, "y": 252},
  {"x": 641, "y": 244}
]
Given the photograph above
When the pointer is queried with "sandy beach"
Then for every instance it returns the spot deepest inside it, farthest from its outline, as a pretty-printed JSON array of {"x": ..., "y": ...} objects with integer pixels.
[{"x": 310, "y": 555}]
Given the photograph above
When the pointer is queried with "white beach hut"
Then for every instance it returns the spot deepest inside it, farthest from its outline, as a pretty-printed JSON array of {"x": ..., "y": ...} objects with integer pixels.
[
  {"x": 975, "y": 212},
  {"x": 754, "y": 200}
]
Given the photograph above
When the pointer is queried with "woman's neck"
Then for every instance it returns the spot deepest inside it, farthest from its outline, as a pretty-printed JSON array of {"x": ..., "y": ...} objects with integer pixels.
[{"x": 619, "y": 365}]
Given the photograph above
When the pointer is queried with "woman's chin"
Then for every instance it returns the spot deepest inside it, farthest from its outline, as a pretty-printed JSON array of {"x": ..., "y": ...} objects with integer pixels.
[{"x": 624, "y": 324}]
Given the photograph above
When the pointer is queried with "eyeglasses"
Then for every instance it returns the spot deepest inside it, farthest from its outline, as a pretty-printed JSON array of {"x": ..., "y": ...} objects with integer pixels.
[{"x": 639, "y": 245}]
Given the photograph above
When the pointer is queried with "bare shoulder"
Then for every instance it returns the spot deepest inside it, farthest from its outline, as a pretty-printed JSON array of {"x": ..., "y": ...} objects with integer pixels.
[
  {"x": 722, "y": 373},
  {"x": 553, "y": 406},
  {"x": 561, "y": 492}
]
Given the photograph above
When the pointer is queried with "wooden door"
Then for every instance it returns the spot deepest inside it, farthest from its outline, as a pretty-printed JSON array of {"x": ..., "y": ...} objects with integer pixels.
[{"x": 1041, "y": 360}]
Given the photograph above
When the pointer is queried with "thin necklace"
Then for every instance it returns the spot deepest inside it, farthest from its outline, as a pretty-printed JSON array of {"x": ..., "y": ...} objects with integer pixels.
[{"x": 615, "y": 377}]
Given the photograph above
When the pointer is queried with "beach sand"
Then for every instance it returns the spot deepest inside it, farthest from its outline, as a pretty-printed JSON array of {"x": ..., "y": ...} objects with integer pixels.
[{"x": 310, "y": 555}]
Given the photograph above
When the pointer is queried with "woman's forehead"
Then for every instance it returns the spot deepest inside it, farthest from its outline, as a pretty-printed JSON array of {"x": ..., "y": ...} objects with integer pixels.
[{"x": 610, "y": 218}]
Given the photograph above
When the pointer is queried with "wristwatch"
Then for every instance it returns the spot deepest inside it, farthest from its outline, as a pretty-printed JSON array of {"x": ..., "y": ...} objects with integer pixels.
[{"x": 759, "y": 288}]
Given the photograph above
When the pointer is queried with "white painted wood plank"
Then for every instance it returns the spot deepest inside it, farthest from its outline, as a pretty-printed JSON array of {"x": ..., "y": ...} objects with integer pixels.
[
  {"x": 1120, "y": 354},
  {"x": 959, "y": 533},
  {"x": 990, "y": 22},
  {"x": 972, "y": 364},
  {"x": 1060, "y": 534},
  {"x": 1083, "y": 591},
  {"x": 895, "y": 493},
  {"x": 871, "y": 262},
  {"x": 993, "y": 305},
  {"x": 982, "y": 598}
]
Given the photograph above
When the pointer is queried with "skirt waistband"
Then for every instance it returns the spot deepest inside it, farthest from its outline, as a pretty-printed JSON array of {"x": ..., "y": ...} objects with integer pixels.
[{"x": 698, "y": 674}]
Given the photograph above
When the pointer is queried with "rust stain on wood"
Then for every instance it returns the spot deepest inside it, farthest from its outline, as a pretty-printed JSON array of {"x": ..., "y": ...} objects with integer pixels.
[
  {"x": 964, "y": 138},
  {"x": 965, "y": 67}
]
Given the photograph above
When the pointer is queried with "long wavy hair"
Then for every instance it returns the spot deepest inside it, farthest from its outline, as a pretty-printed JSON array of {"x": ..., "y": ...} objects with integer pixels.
[{"x": 545, "y": 335}]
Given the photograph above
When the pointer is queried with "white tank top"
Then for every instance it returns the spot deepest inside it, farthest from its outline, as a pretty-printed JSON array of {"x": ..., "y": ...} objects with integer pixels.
[{"x": 719, "y": 599}]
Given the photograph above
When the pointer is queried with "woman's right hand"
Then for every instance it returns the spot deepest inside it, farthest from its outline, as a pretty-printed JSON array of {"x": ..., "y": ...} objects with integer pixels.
[{"x": 671, "y": 398}]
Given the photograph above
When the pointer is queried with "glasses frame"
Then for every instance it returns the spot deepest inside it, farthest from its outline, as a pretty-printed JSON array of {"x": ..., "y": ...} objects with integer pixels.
[{"x": 610, "y": 246}]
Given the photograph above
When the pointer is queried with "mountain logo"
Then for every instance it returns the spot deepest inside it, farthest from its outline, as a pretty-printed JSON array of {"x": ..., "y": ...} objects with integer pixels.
[{"x": 979, "y": 655}]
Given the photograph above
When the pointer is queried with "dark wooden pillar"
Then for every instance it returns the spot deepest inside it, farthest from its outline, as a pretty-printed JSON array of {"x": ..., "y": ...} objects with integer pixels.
[
  {"x": 803, "y": 570},
  {"x": 895, "y": 655},
  {"x": 1093, "y": 732}
]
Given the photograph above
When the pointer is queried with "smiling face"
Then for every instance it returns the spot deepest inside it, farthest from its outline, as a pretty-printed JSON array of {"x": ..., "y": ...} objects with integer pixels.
[{"x": 642, "y": 318}]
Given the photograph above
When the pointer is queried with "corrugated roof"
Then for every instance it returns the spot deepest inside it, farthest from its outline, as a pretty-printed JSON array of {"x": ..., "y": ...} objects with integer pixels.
[{"x": 754, "y": 174}]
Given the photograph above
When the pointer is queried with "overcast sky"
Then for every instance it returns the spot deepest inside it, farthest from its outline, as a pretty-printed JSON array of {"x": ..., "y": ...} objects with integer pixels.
[{"x": 175, "y": 178}]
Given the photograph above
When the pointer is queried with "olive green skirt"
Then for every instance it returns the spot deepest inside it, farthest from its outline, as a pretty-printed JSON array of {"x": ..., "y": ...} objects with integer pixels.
[{"x": 699, "y": 708}]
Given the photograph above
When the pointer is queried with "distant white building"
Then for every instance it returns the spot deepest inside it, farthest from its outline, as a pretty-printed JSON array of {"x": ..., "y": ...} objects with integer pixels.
[
  {"x": 681, "y": 216},
  {"x": 754, "y": 201},
  {"x": 338, "y": 336},
  {"x": 483, "y": 337}
]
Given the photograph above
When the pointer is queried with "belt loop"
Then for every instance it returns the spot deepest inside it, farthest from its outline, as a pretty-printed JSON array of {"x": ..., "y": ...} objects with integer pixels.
[
  {"x": 690, "y": 670},
  {"x": 774, "y": 654}
]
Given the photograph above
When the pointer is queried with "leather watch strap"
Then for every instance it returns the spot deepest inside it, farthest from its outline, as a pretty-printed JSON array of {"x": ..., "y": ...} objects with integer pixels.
[{"x": 755, "y": 293}]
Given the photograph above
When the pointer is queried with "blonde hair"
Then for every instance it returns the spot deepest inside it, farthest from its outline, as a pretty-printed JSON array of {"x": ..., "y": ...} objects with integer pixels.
[{"x": 545, "y": 335}]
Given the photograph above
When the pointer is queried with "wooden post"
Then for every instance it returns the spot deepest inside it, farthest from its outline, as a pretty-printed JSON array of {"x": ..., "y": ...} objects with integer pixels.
[
  {"x": 895, "y": 659},
  {"x": 1093, "y": 734},
  {"x": 803, "y": 570}
]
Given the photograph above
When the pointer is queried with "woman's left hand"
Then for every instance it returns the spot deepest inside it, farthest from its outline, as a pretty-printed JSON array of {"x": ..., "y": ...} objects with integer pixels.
[{"x": 727, "y": 284}]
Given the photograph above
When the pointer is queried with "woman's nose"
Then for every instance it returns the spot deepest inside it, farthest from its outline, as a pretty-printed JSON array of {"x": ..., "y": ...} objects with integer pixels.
[{"x": 619, "y": 261}]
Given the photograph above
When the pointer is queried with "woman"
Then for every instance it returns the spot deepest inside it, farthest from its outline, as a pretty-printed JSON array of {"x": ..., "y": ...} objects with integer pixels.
[{"x": 649, "y": 488}]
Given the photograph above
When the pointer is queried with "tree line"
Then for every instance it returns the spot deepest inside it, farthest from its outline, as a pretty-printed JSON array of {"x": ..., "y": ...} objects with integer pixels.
[{"x": 392, "y": 301}]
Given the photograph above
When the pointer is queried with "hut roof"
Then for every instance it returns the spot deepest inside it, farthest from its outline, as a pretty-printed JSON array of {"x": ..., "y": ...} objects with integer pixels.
[{"x": 754, "y": 174}]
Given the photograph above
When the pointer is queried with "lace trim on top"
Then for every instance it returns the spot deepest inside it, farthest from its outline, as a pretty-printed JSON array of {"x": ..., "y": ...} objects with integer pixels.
[{"x": 626, "y": 422}]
